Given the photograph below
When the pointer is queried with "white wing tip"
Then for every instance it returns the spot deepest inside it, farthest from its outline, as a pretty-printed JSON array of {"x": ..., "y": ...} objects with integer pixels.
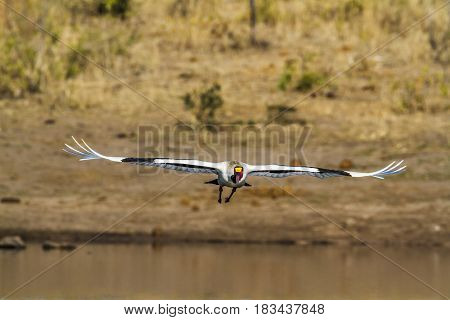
[
  {"x": 391, "y": 169},
  {"x": 85, "y": 152}
]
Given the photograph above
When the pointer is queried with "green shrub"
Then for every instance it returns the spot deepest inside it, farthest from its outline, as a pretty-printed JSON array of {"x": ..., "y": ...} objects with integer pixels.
[
  {"x": 204, "y": 104},
  {"x": 352, "y": 9},
  {"x": 443, "y": 88},
  {"x": 308, "y": 80},
  {"x": 118, "y": 8},
  {"x": 287, "y": 75},
  {"x": 283, "y": 114},
  {"x": 75, "y": 62},
  {"x": 266, "y": 11}
]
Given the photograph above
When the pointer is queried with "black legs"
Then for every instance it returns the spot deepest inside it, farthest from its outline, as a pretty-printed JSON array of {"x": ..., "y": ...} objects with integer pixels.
[
  {"x": 228, "y": 198},
  {"x": 220, "y": 194},
  {"x": 231, "y": 194}
]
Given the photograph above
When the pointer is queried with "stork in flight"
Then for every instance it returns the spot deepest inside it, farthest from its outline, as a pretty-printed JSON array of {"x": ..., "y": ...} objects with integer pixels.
[{"x": 232, "y": 174}]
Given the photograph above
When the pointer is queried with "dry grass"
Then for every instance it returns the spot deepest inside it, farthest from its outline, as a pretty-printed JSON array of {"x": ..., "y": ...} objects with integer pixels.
[{"x": 168, "y": 48}]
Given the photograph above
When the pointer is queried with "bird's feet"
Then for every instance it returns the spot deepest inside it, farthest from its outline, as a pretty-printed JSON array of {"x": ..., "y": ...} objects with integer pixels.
[{"x": 219, "y": 201}]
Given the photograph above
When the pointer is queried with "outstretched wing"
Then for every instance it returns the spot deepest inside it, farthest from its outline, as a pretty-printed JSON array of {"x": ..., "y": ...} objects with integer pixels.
[
  {"x": 277, "y": 171},
  {"x": 85, "y": 152}
]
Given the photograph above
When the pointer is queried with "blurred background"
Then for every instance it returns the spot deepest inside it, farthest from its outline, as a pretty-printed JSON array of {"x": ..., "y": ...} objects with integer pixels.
[{"x": 244, "y": 63}]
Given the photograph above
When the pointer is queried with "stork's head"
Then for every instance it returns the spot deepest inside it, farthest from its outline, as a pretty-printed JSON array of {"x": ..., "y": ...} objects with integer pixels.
[{"x": 238, "y": 173}]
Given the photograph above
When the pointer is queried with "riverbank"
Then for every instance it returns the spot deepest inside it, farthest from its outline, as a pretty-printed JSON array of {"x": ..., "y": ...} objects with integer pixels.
[{"x": 391, "y": 213}]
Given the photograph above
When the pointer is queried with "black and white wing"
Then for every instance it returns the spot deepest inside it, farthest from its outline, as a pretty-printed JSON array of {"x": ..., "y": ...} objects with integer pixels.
[
  {"x": 85, "y": 152},
  {"x": 279, "y": 171}
]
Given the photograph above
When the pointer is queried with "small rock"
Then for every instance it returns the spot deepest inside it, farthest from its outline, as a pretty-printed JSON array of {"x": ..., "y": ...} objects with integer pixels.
[
  {"x": 12, "y": 242},
  {"x": 50, "y": 245},
  {"x": 436, "y": 228},
  {"x": 368, "y": 87},
  {"x": 302, "y": 243},
  {"x": 10, "y": 200},
  {"x": 346, "y": 164},
  {"x": 330, "y": 94},
  {"x": 186, "y": 75},
  {"x": 102, "y": 198},
  {"x": 121, "y": 135},
  {"x": 321, "y": 242},
  {"x": 49, "y": 121}
]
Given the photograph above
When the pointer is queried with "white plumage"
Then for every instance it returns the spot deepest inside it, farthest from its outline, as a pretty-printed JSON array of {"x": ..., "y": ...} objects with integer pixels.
[{"x": 231, "y": 174}]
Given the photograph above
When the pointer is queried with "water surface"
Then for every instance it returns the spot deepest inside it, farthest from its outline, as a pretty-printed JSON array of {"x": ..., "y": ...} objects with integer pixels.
[{"x": 225, "y": 271}]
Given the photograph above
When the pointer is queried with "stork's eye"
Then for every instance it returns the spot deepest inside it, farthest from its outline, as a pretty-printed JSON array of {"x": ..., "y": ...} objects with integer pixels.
[{"x": 238, "y": 169}]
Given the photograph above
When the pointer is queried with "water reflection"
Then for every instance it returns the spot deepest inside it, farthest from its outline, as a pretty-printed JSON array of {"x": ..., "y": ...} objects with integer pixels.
[{"x": 226, "y": 271}]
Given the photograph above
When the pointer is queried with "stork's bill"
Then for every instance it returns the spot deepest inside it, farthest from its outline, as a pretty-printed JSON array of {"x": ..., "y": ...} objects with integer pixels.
[{"x": 232, "y": 174}]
